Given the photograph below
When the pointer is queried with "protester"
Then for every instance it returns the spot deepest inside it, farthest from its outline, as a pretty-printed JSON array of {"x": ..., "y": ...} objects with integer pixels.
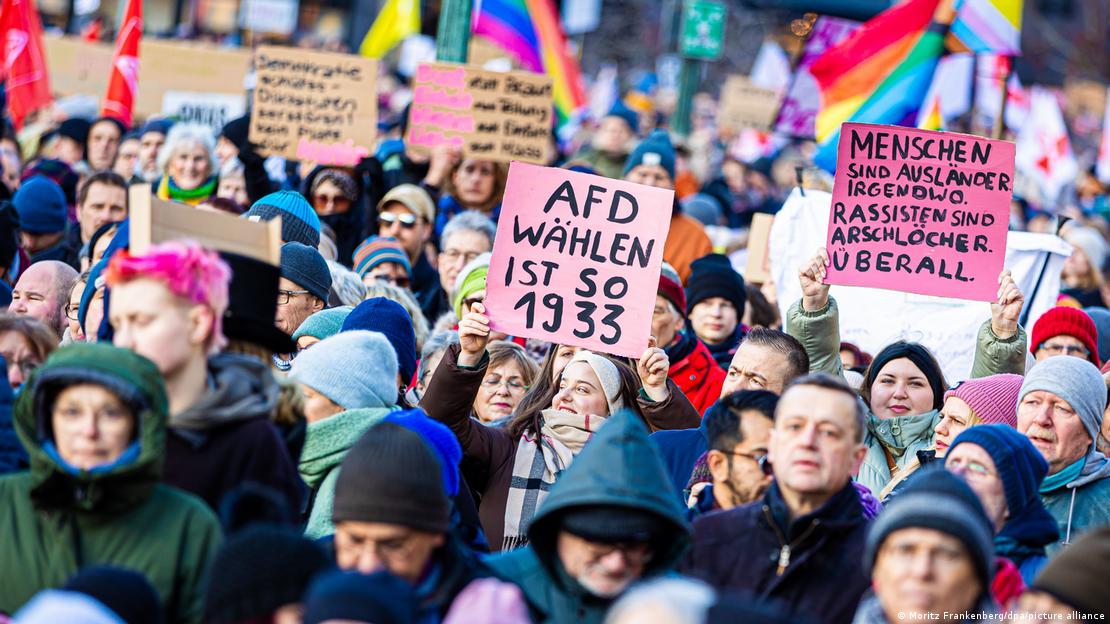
[
  {"x": 93, "y": 420},
  {"x": 71, "y": 136},
  {"x": 96, "y": 593},
  {"x": 605, "y": 525},
  {"x": 669, "y": 600},
  {"x": 378, "y": 598},
  {"x": 343, "y": 398},
  {"x": 612, "y": 141},
  {"x": 336, "y": 195},
  {"x": 1072, "y": 585},
  {"x": 432, "y": 353},
  {"x": 811, "y": 516},
  {"x": 103, "y": 143},
  {"x": 652, "y": 164},
  {"x": 715, "y": 301},
  {"x": 102, "y": 199},
  {"x": 168, "y": 305},
  {"x": 1060, "y": 410},
  {"x": 930, "y": 555},
  {"x": 1005, "y": 471},
  {"x": 321, "y": 325},
  {"x": 1081, "y": 276},
  {"x": 302, "y": 291},
  {"x": 42, "y": 221},
  {"x": 391, "y": 320},
  {"x": 472, "y": 184},
  {"x": 25, "y": 343},
  {"x": 392, "y": 513},
  {"x": 509, "y": 375},
  {"x": 407, "y": 214},
  {"x": 465, "y": 237},
  {"x": 151, "y": 139},
  {"x": 187, "y": 165},
  {"x": 232, "y": 187},
  {"x": 591, "y": 388},
  {"x": 693, "y": 369},
  {"x": 127, "y": 157},
  {"x": 1065, "y": 331},
  {"x": 261, "y": 573},
  {"x": 737, "y": 428},
  {"x": 13, "y": 457},
  {"x": 299, "y": 223},
  {"x": 41, "y": 293},
  {"x": 382, "y": 259}
]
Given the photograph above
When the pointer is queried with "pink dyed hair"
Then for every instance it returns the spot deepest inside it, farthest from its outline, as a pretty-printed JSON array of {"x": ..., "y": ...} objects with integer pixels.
[{"x": 190, "y": 271}]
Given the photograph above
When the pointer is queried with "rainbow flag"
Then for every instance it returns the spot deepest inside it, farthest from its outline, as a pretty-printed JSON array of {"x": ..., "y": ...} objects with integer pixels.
[
  {"x": 530, "y": 30},
  {"x": 930, "y": 118},
  {"x": 879, "y": 74},
  {"x": 988, "y": 26}
]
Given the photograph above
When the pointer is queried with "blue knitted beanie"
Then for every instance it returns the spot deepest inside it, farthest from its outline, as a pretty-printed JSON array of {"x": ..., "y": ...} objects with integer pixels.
[
  {"x": 392, "y": 320},
  {"x": 41, "y": 205},
  {"x": 299, "y": 222}
]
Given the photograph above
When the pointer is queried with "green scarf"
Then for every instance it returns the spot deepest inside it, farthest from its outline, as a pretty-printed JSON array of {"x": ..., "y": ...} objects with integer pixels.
[
  {"x": 190, "y": 196},
  {"x": 1064, "y": 477}
]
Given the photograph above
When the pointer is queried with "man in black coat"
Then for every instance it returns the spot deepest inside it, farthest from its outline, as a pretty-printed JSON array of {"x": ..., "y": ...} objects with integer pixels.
[{"x": 802, "y": 544}]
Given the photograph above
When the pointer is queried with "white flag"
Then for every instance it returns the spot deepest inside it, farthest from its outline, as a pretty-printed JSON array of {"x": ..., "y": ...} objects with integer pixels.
[{"x": 1043, "y": 149}]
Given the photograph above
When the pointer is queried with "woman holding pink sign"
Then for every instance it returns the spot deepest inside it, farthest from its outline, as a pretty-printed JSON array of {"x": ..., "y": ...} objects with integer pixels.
[{"x": 512, "y": 467}]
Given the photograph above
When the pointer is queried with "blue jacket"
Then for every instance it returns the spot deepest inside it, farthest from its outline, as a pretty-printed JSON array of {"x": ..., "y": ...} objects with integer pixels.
[
  {"x": 1081, "y": 505},
  {"x": 12, "y": 456},
  {"x": 680, "y": 449}
]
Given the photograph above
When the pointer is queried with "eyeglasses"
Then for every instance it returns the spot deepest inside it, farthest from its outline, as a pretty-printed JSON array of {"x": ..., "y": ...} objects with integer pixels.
[
  {"x": 452, "y": 255},
  {"x": 759, "y": 458},
  {"x": 973, "y": 469},
  {"x": 1056, "y": 349},
  {"x": 512, "y": 385},
  {"x": 399, "y": 281},
  {"x": 633, "y": 553},
  {"x": 321, "y": 202},
  {"x": 284, "y": 296},
  {"x": 71, "y": 311},
  {"x": 407, "y": 220}
]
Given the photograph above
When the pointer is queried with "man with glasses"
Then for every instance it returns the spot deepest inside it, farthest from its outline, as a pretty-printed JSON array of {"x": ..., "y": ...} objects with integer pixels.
[
  {"x": 802, "y": 545},
  {"x": 605, "y": 525},
  {"x": 1065, "y": 331},
  {"x": 738, "y": 428},
  {"x": 41, "y": 293},
  {"x": 302, "y": 289},
  {"x": 465, "y": 237},
  {"x": 1060, "y": 409},
  {"x": 407, "y": 213}
]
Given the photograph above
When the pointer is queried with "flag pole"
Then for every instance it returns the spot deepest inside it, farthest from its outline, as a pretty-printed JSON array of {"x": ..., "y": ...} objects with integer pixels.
[{"x": 1000, "y": 121}]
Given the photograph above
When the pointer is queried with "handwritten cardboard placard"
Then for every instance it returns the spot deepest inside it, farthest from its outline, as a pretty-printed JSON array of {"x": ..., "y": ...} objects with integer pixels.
[
  {"x": 744, "y": 105},
  {"x": 920, "y": 211},
  {"x": 490, "y": 115},
  {"x": 316, "y": 106},
  {"x": 576, "y": 259},
  {"x": 758, "y": 267},
  {"x": 155, "y": 220}
]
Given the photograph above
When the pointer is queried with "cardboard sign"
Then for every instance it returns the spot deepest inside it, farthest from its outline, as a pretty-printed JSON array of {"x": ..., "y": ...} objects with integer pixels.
[
  {"x": 207, "y": 109},
  {"x": 872, "y": 318},
  {"x": 576, "y": 259},
  {"x": 315, "y": 106},
  {"x": 80, "y": 67},
  {"x": 920, "y": 211},
  {"x": 744, "y": 105},
  {"x": 155, "y": 220},
  {"x": 758, "y": 269},
  {"x": 503, "y": 116}
]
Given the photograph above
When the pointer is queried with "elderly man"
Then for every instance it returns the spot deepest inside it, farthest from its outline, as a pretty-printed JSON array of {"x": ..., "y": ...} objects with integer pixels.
[
  {"x": 465, "y": 237},
  {"x": 605, "y": 525},
  {"x": 1065, "y": 331},
  {"x": 767, "y": 359},
  {"x": 407, "y": 213},
  {"x": 43, "y": 291},
  {"x": 811, "y": 517},
  {"x": 302, "y": 290},
  {"x": 930, "y": 555},
  {"x": 693, "y": 368},
  {"x": 1060, "y": 408}
]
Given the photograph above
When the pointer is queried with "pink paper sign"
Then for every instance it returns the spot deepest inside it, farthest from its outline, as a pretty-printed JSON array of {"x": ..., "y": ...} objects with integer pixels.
[
  {"x": 920, "y": 211},
  {"x": 576, "y": 259}
]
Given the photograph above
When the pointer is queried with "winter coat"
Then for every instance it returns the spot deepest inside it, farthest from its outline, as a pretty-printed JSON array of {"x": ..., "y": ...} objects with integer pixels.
[
  {"x": 448, "y": 207},
  {"x": 812, "y": 566},
  {"x": 680, "y": 450},
  {"x": 723, "y": 351},
  {"x": 326, "y": 444},
  {"x": 55, "y": 520},
  {"x": 226, "y": 438},
  {"x": 453, "y": 568},
  {"x": 1080, "y": 506},
  {"x": 427, "y": 289},
  {"x": 696, "y": 373},
  {"x": 489, "y": 453},
  {"x": 902, "y": 437},
  {"x": 12, "y": 455},
  {"x": 686, "y": 242},
  {"x": 348, "y": 226},
  {"x": 604, "y": 163},
  {"x": 619, "y": 467}
]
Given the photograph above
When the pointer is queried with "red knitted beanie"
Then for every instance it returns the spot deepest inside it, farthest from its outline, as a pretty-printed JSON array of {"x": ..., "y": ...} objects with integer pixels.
[{"x": 1065, "y": 321}]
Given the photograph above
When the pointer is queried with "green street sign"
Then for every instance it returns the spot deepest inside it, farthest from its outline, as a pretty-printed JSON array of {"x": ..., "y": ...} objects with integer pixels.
[{"x": 703, "y": 29}]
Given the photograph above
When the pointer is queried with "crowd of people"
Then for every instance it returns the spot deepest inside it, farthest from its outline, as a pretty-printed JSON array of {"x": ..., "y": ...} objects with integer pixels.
[{"x": 194, "y": 435}]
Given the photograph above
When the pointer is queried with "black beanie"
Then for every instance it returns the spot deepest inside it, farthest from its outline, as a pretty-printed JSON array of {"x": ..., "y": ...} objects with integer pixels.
[
  {"x": 712, "y": 275},
  {"x": 126, "y": 593},
  {"x": 921, "y": 358},
  {"x": 609, "y": 524},
  {"x": 380, "y": 598},
  {"x": 236, "y": 130},
  {"x": 392, "y": 476},
  {"x": 259, "y": 570}
]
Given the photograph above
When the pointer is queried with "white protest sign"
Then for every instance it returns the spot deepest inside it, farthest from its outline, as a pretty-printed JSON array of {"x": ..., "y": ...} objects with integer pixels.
[
  {"x": 872, "y": 318},
  {"x": 208, "y": 109}
]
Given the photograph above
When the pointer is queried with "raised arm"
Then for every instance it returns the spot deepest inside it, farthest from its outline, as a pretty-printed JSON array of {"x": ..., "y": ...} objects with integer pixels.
[
  {"x": 814, "y": 319},
  {"x": 1001, "y": 344}
]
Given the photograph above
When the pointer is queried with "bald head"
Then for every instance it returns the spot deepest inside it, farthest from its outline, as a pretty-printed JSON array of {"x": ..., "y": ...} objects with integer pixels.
[{"x": 43, "y": 291}]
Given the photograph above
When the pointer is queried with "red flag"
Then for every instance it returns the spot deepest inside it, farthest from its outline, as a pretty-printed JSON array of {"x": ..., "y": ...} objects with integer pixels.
[
  {"x": 124, "y": 81},
  {"x": 91, "y": 32},
  {"x": 28, "y": 85}
]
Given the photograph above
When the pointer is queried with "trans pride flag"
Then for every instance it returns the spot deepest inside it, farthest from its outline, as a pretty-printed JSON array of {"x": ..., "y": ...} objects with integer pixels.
[
  {"x": 880, "y": 73},
  {"x": 992, "y": 26},
  {"x": 530, "y": 30}
]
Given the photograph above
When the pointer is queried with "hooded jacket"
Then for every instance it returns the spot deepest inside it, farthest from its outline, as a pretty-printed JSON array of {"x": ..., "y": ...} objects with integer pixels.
[
  {"x": 618, "y": 467},
  {"x": 813, "y": 565},
  {"x": 1081, "y": 505},
  {"x": 326, "y": 444},
  {"x": 56, "y": 519},
  {"x": 349, "y": 226},
  {"x": 226, "y": 438}
]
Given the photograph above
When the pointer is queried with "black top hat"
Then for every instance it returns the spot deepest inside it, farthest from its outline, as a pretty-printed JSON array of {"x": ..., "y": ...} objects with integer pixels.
[{"x": 252, "y": 304}]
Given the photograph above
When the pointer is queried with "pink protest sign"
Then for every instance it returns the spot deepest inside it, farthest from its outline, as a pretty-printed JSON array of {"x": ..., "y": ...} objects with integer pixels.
[
  {"x": 920, "y": 211},
  {"x": 576, "y": 260}
]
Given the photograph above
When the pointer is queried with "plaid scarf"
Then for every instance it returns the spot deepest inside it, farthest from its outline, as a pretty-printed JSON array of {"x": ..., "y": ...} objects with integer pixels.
[{"x": 537, "y": 465}]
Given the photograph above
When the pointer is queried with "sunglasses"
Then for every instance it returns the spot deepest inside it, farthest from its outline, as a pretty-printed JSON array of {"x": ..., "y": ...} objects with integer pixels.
[{"x": 408, "y": 221}]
